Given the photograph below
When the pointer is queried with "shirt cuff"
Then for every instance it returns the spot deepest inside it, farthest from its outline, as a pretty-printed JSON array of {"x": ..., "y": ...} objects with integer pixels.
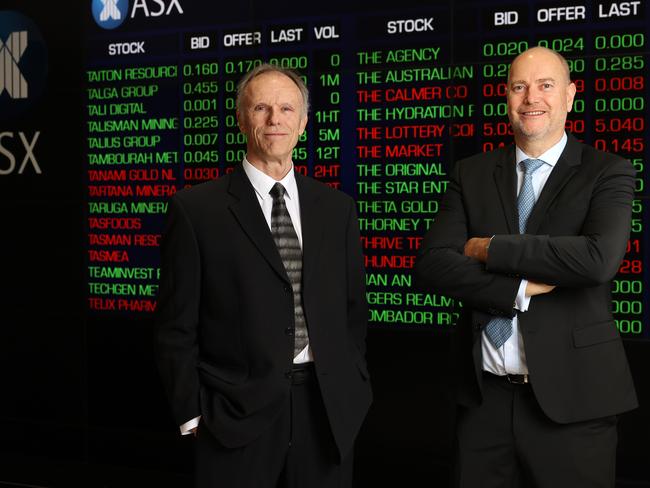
[
  {"x": 187, "y": 427},
  {"x": 522, "y": 301}
]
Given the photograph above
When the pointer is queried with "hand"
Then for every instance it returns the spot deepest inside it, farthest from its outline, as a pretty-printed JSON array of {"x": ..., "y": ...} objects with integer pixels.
[
  {"x": 477, "y": 248},
  {"x": 533, "y": 288}
]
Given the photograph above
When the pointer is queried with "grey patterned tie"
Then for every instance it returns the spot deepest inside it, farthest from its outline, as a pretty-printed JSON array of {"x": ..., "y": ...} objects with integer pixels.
[
  {"x": 499, "y": 329},
  {"x": 288, "y": 246}
]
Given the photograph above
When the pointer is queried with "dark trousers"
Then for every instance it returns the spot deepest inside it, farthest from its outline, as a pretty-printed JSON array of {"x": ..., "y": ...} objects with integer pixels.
[
  {"x": 297, "y": 451},
  {"x": 508, "y": 442}
]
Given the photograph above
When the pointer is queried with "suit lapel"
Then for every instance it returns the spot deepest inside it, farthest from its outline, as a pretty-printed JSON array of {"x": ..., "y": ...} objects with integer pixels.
[
  {"x": 312, "y": 220},
  {"x": 248, "y": 213},
  {"x": 565, "y": 167},
  {"x": 505, "y": 179}
]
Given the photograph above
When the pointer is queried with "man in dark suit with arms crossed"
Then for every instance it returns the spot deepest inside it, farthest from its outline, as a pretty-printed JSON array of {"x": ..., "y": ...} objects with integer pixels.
[
  {"x": 529, "y": 238},
  {"x": 262, "y": 311}
]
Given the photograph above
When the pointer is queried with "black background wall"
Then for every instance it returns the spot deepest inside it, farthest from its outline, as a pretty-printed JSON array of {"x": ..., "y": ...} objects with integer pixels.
[
  {"x": 43, "y": 346},
  {"x": 81, "y": 404}
]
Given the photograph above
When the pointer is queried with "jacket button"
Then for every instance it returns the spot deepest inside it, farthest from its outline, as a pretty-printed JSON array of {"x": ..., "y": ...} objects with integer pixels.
[
  {"x": 288, "y": 331},
  {"x": 288, "y": 375},
  {"x": 287, "y": 288}
]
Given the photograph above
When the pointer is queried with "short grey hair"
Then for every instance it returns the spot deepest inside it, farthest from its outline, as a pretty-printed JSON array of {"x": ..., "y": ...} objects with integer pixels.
[{"x": 271, "y": 68}]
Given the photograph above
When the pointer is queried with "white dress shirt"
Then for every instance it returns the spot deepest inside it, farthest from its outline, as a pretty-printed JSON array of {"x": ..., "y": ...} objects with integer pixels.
[
  {"x": 262, "y": 184},
  {"x": 510, "y": 358}
]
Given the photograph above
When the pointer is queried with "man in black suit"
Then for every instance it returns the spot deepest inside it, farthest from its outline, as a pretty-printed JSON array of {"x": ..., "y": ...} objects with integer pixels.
[
  {"x": 262, "y": 311},
  {"x": 528, "y": 237}
]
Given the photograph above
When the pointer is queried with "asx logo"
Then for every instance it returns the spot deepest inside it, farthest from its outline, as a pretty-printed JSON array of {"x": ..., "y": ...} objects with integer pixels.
[
  {"x": 23, "y": 65},
  {"x": 110, "y": 14},
  {"x": 10, "y": 151},
  {"x": 11, "y": 79},
  {"x": 23, "y": 79}
]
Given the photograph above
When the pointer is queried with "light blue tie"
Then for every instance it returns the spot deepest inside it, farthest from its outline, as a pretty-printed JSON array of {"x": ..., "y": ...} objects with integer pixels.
[{"x": 499, "y": 329}]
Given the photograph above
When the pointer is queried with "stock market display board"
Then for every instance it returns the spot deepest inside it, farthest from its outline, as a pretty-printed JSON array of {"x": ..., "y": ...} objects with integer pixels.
[{"x": 398, "y": 93}]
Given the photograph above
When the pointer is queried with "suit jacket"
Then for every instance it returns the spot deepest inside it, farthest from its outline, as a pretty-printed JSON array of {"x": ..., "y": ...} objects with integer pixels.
[
  {"x": 225, "y": 310},
  {"x": 576, "y": 237}
]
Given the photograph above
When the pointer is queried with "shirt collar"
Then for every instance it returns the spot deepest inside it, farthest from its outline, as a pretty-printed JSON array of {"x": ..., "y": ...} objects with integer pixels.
[
  {"x": 262, "y": 183},
  {"x": 550, "y": 157}
]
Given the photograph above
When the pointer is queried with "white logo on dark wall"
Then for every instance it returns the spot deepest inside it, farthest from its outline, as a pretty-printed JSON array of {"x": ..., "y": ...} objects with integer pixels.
[
  {"x": 110, "y": 11},
  {"x": 12, "y": 153},
  {"x": 11, "y": 79},
  {"x": 23, "y": 80},
  {"x": 156, "y": 8},
  {"x": 109, "y": 14},
  {"x": 23, "y": 65}
]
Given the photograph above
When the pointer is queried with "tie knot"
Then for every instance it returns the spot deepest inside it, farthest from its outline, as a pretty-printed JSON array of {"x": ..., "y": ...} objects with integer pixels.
[
  {"x": 277, "y": 191},
  {"x": 531, "y": 165}
]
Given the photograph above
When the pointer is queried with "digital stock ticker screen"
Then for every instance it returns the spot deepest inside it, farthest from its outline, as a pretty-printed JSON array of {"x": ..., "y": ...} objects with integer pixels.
[{"x": 398, "y": 93}]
